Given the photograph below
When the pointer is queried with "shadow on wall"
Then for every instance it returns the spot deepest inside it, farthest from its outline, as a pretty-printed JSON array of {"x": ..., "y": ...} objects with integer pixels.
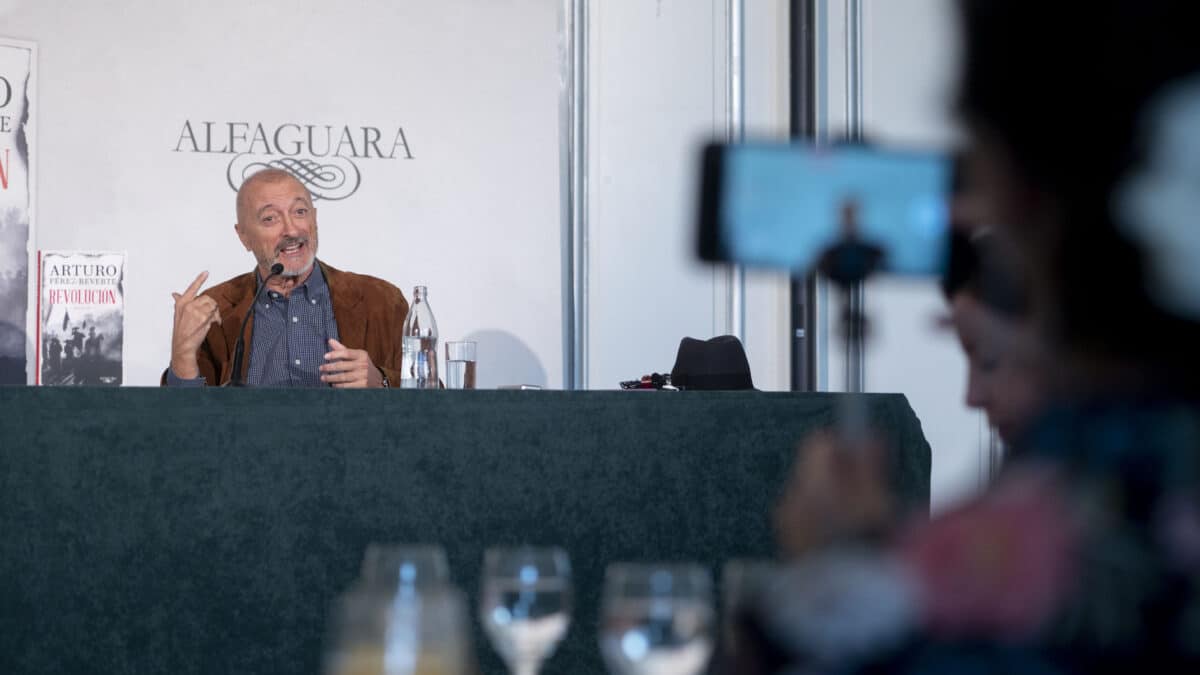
[{"x": 503, "y": 359}]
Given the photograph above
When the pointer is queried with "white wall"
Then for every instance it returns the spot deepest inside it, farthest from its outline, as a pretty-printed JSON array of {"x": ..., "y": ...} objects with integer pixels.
[
  {"x": 657, "y": 91},
  {"x": 767, "y": 92},
  {"x": 475, "y": 214}
]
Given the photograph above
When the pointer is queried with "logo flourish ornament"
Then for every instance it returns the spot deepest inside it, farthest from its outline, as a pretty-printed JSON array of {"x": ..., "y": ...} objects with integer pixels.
[{"x": 334, "y": 180}]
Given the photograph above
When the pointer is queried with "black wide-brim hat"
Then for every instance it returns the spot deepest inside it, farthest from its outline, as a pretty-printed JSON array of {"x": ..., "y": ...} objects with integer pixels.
[{"x": 716, "y": 364}]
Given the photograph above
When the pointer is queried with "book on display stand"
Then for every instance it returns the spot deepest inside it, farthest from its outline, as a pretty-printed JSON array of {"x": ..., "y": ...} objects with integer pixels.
[{"x": 81, "y": 318}]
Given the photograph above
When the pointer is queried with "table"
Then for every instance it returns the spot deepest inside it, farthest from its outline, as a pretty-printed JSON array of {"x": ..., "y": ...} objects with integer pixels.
[{"x": 207, "y": 531}]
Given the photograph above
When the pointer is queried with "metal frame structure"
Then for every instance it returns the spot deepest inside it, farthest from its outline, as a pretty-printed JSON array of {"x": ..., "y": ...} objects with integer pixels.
[
  {"x": 802, "y": 124},
  {"x": 856, "y": 301},
  {"x": 804, "y": 78},
  {"x": 574, "y": 198},
  {"x": 735, "y": 132}
]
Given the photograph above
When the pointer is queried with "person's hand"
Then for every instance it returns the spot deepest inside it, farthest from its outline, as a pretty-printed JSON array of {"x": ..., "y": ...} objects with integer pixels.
[
  {"x": 349, "y": 368},
  {"x": 194, "y": 314},
  {"x": 835, "y": 493}
]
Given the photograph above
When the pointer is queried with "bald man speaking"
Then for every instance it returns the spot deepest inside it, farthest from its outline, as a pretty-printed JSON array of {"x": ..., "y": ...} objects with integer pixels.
[{"x": 311, "y": 326}]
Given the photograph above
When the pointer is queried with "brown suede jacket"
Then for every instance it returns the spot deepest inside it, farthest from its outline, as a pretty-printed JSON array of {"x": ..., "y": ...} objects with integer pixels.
[{"x": 369, "y": 312}]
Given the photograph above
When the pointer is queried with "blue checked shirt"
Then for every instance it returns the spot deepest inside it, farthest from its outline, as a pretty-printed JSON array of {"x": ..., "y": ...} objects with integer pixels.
[{"x": 290, "y": 337}]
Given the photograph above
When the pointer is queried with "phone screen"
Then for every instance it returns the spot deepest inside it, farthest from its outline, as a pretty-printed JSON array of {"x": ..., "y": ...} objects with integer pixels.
[{"x": 782, "y": 205}]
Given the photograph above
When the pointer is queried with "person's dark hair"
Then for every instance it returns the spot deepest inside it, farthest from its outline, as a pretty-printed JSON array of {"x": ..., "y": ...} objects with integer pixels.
[
  {"x": 973, "y": 267},
  {"x": 1062, "y": 87},
  {"x": 961, "y": 265},
  {"x": 972, "y": 263}
]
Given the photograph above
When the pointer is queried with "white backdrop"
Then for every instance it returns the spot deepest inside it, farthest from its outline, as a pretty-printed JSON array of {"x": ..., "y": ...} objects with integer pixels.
[
  {"x": 657, "y": 91},
  {"x": 474, "y": 214}
]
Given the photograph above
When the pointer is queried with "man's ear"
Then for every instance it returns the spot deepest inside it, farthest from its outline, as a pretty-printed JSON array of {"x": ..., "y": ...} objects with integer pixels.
[{"x": 241, "y": 233}]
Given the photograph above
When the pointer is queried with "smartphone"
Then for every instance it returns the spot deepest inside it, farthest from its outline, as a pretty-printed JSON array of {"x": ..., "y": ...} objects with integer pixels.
[{"x": 782, "y": 205}]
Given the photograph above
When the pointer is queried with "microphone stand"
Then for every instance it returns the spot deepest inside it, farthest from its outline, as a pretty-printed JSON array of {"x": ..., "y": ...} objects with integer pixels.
[
  {"x": 848, "y": 263},
  {"x": 239, "y": 347}
]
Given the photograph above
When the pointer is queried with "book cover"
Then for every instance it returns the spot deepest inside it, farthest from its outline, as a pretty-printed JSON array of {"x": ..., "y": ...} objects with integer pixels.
[
  {"x": 18, "y": 96},
  {"x": 81, "y": 317}
]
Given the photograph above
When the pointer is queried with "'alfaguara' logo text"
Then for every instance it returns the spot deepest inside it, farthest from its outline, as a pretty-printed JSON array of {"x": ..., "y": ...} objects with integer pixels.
[{"x": 322, "y": 156}]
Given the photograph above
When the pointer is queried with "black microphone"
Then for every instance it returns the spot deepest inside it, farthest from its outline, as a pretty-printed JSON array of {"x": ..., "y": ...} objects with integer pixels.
[{"x": 239, "y": 347}]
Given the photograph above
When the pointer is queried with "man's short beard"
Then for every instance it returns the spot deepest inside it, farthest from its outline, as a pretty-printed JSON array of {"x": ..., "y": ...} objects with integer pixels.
[
  {"x": 302, "y": 271},
  {"x": 310, "y": 243},
  {"x": 267, "y": 263}
]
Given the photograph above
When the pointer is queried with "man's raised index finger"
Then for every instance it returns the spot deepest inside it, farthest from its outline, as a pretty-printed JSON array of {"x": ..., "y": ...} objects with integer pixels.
[{"x": 195, "y": 286}]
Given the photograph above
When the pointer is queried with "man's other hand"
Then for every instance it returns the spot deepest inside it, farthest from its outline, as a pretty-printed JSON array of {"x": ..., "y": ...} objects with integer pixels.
[{"x": 349, "y": 368}]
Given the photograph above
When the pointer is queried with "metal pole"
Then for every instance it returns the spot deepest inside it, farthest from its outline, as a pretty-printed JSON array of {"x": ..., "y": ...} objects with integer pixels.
[
  {"x": 856, "y": 299},
  {"x": 580, "y": 135},
  {"x": 573, "y": 140},
  {"x": 735, "y": 281},
  {"x": 854, "y": 105},
  {"x": 802, "y": 69}
]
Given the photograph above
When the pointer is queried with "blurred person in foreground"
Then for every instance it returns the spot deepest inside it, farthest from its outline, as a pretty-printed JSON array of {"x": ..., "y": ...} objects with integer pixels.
[
  {"x": 1084, "y": 557},
  {"x": 989, "y": 313},
  {"x": 835, "y": 494},
  {"x": 313, "y": 325}
]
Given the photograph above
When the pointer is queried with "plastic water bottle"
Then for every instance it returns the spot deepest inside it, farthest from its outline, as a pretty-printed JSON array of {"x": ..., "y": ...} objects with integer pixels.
[{"x": 419, "y": 367}]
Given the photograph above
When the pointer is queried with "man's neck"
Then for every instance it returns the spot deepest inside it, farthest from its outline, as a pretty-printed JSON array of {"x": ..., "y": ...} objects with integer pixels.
[{"x": 284, "y": 285}]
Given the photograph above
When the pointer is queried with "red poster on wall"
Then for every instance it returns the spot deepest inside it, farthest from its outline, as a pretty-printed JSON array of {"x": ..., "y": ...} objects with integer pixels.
[{"x": 17, "y": 63}]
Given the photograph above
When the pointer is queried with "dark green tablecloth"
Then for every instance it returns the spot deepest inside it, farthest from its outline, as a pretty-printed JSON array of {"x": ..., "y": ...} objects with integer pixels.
[{"x": 206, "y": 531}]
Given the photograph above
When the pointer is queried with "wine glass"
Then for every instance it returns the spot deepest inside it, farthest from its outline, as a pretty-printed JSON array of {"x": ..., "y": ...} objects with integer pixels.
[
  {"x": 404, "y": 568},
  {"x": 656, "y": 619},
  {"x": 375, "y": 632},
  {"x": 525, "y": 606}
]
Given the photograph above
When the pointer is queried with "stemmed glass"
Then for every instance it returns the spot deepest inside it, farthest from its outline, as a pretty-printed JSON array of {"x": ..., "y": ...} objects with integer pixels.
[
  {"x": 374, "y": 633},
  {"x": 656, "y": 619},
  {"x": 526, "y": 604},
  {"x": 404, "y": 568}
]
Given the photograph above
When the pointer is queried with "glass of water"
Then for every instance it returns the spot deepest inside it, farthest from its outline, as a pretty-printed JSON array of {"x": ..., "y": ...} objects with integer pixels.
[
  {"x": 656, "y": 619},
  {"x": 460, "y": 365},
  {"x": 371, "y": 633},
  {"x": 404, "y": 567},
  {"x": 525, "y": 606}
]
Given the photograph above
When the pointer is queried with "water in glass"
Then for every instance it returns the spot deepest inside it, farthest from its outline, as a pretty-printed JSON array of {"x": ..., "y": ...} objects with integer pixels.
[
  {"x": 376, "y": 633},
  {"x": 656, "y": 620},
  {"x": 460, "y": 374},
  {"x": 526, "y": 604}
]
